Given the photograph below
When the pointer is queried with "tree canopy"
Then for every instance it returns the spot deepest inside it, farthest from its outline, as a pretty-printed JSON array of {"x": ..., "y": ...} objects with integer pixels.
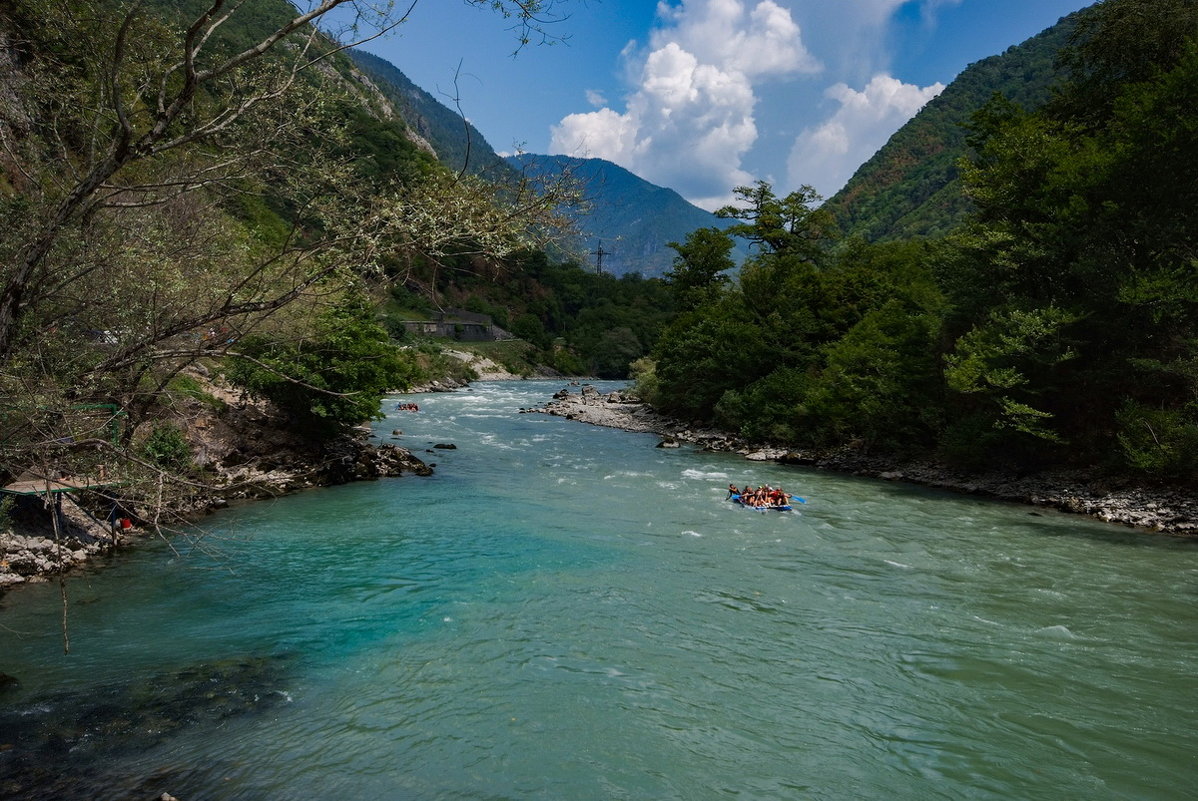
[
  {"x": 1057, "y": 325},
  {"x": 202, "y": 186}
]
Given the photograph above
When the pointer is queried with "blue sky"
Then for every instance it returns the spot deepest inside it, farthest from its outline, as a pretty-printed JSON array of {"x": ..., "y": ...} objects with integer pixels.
[{"x": 704, "y": 95}]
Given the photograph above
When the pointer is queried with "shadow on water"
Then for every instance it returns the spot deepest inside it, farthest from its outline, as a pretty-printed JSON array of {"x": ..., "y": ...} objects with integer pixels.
[{"x": 71, "y": 745}]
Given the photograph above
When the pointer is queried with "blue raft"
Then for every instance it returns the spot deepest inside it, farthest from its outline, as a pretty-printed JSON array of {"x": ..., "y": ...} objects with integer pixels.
[{"x": 777, "y": 508}]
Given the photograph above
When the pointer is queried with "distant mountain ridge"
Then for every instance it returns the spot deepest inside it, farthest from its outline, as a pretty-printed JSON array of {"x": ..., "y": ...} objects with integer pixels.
[
  {"x": 630, "y": 218},
  {"x": 633, "y": 220},
  {"x": 911, "y": 187}
]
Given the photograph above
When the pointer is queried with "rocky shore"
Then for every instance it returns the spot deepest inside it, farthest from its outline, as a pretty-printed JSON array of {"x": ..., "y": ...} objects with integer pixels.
[
  {"x": 246, "y": 452},
  {"x": 1156, "y": 508}
]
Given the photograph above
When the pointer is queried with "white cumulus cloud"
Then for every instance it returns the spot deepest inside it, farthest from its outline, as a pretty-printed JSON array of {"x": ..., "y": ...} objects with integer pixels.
[
  {"x": 762, "y": 40},
  {"x": 689, "y": 120},
  {"x": 826, "y": 155}
]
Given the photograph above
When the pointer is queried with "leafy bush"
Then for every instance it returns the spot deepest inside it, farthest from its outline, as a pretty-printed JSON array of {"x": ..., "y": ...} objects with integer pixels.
[
  {"x": 644, "y": 380},
  {"x": 1159, "y": 442},
  {"x": 881, "y": 380},
  {"x": 331, "y": 380},
  {"x": 167, "y": 447},
  {"x": 187, "y": 386},
  {"x": 6, "y": 505},
  {"x": 772, "y": 409},
  {"x": 1008, "y": 361},
  {"x": 529, "y": 327}
]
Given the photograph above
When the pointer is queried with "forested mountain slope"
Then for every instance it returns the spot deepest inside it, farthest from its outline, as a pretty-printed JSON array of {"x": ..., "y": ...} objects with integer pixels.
[
  {"x": 209, "y": 188},
  {"x": 1056, "y": 325},
  {"x": 912, "y": 186},
  {"x": 457, "y": 143},
  {"x": 631, "y": 218}
]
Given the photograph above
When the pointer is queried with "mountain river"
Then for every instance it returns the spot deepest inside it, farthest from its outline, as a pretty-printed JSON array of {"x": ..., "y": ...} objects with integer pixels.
[{"x": 567, "y": 612}]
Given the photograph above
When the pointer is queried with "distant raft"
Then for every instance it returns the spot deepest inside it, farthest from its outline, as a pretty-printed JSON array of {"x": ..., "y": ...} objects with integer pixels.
[{"x": 786, "y": 507}]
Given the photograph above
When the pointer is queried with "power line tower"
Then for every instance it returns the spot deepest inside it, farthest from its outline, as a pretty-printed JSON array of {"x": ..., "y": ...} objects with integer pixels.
[{"x": 599, "y": 254}]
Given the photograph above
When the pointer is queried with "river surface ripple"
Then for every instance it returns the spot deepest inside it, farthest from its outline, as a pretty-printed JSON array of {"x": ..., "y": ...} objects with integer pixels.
[{"x": 566, "y": 612}]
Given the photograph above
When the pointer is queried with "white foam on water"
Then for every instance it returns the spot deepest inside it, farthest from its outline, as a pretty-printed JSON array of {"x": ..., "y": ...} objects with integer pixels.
[
  {"x": 691, "y": 472},
  {"x": 627, "y": 474},
  {"x": 1058, "y": 631},
  {"x": 501, "y": 444},
  {"x": 896, "y": 564},
  {"x": 692, "y": 533}
]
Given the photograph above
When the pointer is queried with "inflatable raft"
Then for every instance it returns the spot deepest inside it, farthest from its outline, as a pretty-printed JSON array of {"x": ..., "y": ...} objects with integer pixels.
[{"x": 777, "y": 508}]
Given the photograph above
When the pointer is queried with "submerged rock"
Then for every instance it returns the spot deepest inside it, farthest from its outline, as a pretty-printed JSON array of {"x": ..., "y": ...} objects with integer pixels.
[{"x": 62, "y": 746}]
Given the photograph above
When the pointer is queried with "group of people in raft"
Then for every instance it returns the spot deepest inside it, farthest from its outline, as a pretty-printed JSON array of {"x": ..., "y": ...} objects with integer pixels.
[
  {"x": 761, "y": 497},
  {"x": 407, "y": 407}
]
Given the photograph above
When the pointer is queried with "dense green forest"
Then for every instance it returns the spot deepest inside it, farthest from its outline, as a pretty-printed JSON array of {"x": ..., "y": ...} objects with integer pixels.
[
  {"x": 1055, "y": 326},
  {"x": 912, "y": 186},
  {"x": 575, "y": 321}
]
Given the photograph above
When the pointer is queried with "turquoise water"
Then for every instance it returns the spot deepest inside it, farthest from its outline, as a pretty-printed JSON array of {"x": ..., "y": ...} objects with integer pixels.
[{"x": 566, "y": 612}]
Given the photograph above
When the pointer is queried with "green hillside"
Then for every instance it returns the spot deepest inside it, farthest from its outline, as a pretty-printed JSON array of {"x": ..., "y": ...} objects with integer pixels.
[
  {"x": 186, "y": 193},
  {"x": 1056, "y": 325},
  {"x": 456, "y": 142},
  {"x": 912, "y": 186},
  {"x": 633, "y": 219}
]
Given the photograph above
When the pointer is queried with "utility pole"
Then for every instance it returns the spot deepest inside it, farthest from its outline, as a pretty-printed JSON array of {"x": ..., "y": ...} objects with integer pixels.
[{"x": 599, "y": 254}]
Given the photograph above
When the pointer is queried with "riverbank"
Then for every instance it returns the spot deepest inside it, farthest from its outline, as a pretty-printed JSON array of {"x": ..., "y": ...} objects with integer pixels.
[
  {"x": 241, "y": 451},
  {"x": 478, "y": 367},
  {"x": 1161, "y": 509}
]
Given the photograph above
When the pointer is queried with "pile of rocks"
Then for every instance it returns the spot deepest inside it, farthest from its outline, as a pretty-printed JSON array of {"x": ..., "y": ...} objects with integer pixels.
[
  {"x": 22, "y": 557},
  {"x": 616, "y": 410},
  {"x": 34, "y": 551},
  {"x": 284, "y": 471}
]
